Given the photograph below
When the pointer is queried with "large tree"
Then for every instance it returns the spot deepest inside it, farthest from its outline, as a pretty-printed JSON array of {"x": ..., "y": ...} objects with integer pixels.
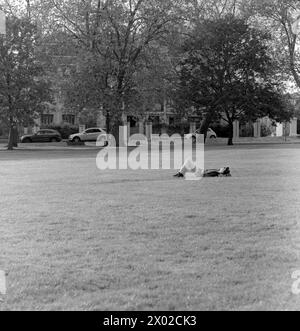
[
  {"x": 23, "y": 86},
  {"x": 277, "y": 17},
  {"x": 227, "y": 72},
  {"x": 112, "y": 38}
]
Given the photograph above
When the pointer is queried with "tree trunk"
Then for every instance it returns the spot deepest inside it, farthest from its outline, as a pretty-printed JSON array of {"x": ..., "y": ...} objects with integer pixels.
[
  {"x": 10, "y": 146},
  {"x": 13, "y": 138},
  {"x": 292, "y": 51},
  {"x": 108, "y": 121},
  {"x": 230, "y": 139},
  {"x": 182, "y": 131},
  {"x": 115, "y": 123},
  {"x": 205, "y": 124}
]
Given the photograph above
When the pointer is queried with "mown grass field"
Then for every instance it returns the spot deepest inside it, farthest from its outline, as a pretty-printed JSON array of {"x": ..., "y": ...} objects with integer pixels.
[{"x": 75, "y": 238}]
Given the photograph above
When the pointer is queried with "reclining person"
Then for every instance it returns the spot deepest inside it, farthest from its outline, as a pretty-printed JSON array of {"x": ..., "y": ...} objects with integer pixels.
[{"x": 190, "y": 167}]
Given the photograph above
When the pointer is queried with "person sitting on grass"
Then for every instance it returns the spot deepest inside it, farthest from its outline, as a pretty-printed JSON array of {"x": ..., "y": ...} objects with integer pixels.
[{"x": 190, "y": 167}]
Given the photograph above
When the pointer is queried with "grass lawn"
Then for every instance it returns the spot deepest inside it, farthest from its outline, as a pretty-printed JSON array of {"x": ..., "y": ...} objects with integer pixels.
[{"x": 72, "y": 237}]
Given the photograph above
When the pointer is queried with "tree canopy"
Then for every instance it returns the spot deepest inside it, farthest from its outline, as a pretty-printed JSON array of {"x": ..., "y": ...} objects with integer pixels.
[
  {"x": 227, "y": 59},
  {"x": 227, "y": 72}
]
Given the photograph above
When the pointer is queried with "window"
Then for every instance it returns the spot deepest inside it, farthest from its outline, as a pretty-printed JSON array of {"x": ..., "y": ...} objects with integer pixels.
[
  {"x": 92, "y": 131},
  {"x": 47, "y": 119},
  {"x": 133, "y": 121},
  {"x": 171, "y": 120},
  {"x": 69, "y": 119},
  {"x": 50, "y": 132},
  {"x": 155, "y": 120}
]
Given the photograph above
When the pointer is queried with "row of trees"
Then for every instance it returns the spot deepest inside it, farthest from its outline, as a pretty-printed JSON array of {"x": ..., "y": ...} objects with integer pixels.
[{"x": 219, "y": 58}]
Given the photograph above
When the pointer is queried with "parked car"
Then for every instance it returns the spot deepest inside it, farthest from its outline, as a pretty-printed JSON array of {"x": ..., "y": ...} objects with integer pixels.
[
  {"x": 210, "y": 135},
  {"x": 42, "y": 136},
  {"x": 91, "y": 134}
]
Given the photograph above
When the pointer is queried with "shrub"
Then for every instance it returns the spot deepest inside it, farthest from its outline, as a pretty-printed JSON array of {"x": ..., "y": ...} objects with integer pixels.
[
  {"x": 266, "y": 131},
  {"x": 247, "y": 131},
  {"x": 221, "y": 131},
  {"x": 3, "y": 132},
  {"x": 156, "y": 128},
  {"x": 179, "y": 129}
]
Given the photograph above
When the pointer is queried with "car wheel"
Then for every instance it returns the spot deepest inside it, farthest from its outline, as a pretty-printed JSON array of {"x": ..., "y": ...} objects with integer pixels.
[
  {"x": 27, "y": 141},
  {"x": 77, "y": 140},
  {"x": 53, "y": 140}
]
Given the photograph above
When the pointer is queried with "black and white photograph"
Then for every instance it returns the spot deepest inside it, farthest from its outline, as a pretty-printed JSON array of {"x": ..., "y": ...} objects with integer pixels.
[{"x": 149, "y": 158}]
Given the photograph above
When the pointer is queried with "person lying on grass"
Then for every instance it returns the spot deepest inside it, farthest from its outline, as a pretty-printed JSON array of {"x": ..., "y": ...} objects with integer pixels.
[{"x": 190, "y": 167}]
